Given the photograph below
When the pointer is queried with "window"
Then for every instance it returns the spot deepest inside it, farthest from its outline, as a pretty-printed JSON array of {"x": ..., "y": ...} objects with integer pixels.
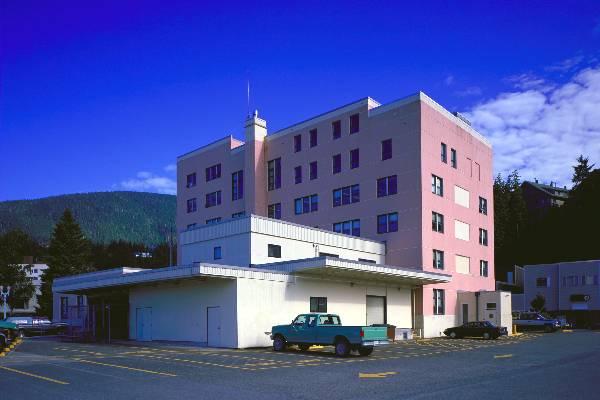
[
  {"x": 444, "y": 153},
  {"x": 191, "y": 180},
  {"x": 346, "y": 195},
  {"x": 217, "y": 253},
  {"x": 461, "y": 197},
  {"x": 453, "y": 161},
  {"x": 351, "y": 227},
  {"x": 387, "y": 186},
  {"x": 567, "y": 281},
  {"x": 545, "y": 282},
  {"x": 437, "y": 185},
  {"x": 366, "y": 260},
  {"x": 213, "y": 220},
  {"x": 354, "y": 123},
  {"x": 386, "y": 149},
  {"x": 237, "y": 185},
  {"x": 438, "y": 259},
  {"x": 462, "y": 264},
  {"x": 238, "y": 214},
  {"x": 191, "y": 205},
  {"x": 387, "y": 223},
  {"x": 490, "y": 306},
  {"x": 213, "y": 172},
  {"x": 318, "y": 304},
  {"x": 336, "y": 129},
  {"x": 298, "y": 174},
  {"x": 306, "y": 204},
  {"x": 438, "y": 301},
  {"x": 64, "y": 308},
  {"x": 336, "y": 162},
  {"x": 462, "y": 230},
  {"x": 321, "y": 254},
  {"x": 297, "y": 143},
  {"x": 313, "y": 170},
  {"x": 274, "y": 174},
  {"x": 354, "y": 158},
  {"x": 274, "y": 251},
  {"x": 274, "y": 211},
  {"x": 483, "y": 268},
  {"x": 313, "y": 137},
  {"x": 483, "y": 237},
  {"x": 213, "y": 199},
  {"x": 482, "y": 206},
  {"x": 437, "y": 222},
  {"x": 191, "y": 226}
]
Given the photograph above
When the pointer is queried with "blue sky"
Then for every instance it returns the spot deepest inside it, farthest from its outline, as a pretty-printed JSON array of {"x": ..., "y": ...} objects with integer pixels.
[{"x": 99, "y": 96}]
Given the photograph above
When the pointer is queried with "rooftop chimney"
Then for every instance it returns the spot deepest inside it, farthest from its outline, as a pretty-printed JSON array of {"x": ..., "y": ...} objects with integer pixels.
[{"x": 255, "y": 193}]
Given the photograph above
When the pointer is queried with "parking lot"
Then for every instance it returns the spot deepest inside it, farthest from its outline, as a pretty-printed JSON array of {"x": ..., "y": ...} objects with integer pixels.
[{"x": 417, "y": 369}]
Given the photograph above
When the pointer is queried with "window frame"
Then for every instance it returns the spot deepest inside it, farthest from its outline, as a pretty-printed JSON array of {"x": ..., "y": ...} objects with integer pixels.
[
  {"x": 453, "y": 158},
  {"x": 297, "y": 143},
  {"x": 273, "y": 210},
  {"x": 386, "y": 153},
  {"x": 237, "y": 185},
  {"x": 355, "y": 158},
  {"x": 484, "y": 266},
  {"x": 313, "y": 138},
  {"x": 274, "y": 174},
  {"x": 336, "y": 129},
  {"x": 437, "y": 222},
  {"x": 297, "y": 174},
  {"x": 336, "y": 163},
  {"x": 190, "y": 180},
  {"x": 437, "y": 185},
  {"x": 194, "y": 205},
  {"x": 438, "y": 262},
  {"x": 318, "y": 303},
  {"x": 354, "y": 123},
  {"x": 439, "y": 306},
  {"x": 444, "y": 153},
  {"x": 217, "y": 253},
  {"x": 313, "y": 170},
  {"x": 273, "y": 250}
]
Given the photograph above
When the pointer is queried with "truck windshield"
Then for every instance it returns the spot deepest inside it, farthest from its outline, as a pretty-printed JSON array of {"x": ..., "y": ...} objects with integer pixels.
[{"x": 329, "y": 320}]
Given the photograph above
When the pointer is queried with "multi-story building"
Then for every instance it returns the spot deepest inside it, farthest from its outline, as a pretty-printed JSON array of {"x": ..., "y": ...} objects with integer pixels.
[
  {"x": 540, "y": 198},
  {"x": 408, "y": 173}
]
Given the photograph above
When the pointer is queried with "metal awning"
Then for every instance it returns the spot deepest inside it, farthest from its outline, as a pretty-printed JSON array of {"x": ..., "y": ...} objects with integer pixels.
[{"x": 350, "y": 270}]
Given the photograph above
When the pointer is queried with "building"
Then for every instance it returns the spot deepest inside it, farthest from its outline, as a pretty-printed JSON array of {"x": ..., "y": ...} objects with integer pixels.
[
  {"x": 569, "y": 288},
  {"x": 257, "y": 272},
  {"x": 539, "y": 198},
  {"x": 408, "y": 173}
]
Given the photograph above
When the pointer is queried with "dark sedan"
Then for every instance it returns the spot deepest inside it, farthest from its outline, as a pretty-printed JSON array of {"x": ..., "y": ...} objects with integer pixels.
[
  {"x": 34, "y": 326},
  {"x": 484, "y": 329}
]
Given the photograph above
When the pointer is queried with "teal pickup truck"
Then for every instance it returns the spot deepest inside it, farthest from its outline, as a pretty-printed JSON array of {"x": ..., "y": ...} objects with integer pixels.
[
  {"x": 326, "y": 329},
  {"x": 8, "y": 331}
]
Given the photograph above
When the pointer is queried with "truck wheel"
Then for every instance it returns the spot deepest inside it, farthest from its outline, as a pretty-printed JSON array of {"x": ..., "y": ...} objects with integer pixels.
[
  {"x": 486, "y": 336},
  {"x": 279, "y": 343},
  {"x": 365, "y": 350},
  {"x": 304, "y": 347},
  {"x": 342, "y": 348},
  {"x": 2, "y": 342},
  {"x": 453, "y": 335}
]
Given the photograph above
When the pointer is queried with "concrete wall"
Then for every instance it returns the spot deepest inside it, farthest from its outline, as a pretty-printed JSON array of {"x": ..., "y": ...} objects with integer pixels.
[
  {"x": 179, "y": 311},
  {"x": 262, "y": 304},
  {"x": 235, "y": 250}
]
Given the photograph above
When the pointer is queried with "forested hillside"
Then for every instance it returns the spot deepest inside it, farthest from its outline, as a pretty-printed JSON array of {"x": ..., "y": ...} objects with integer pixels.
[{"x": 104, "y": 216}]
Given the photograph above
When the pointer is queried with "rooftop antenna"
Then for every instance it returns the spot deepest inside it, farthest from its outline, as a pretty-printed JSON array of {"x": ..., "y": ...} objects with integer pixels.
[{"x": 248, "y": 98}]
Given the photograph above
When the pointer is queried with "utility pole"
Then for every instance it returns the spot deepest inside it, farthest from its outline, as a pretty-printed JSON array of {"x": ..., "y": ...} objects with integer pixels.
[{"x": 4, "y": 295}]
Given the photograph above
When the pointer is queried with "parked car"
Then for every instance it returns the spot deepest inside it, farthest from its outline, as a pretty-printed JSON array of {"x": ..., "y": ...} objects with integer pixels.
[
  {"x": 327, "y": 329},
  {"x": 484, "y": 329},
  {"x": 33, "y": 326},
  {"x": 8, "y": 332},
  {"x": 535, "y": 321}
]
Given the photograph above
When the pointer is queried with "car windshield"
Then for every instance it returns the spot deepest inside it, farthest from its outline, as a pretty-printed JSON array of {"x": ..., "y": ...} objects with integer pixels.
[
  {"x": 19, "y": 320},
  {"x": 487, "y": 323}
]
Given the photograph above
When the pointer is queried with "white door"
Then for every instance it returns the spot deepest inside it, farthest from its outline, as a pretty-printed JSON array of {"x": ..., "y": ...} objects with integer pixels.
[
  {"x": 213, "y": 325},
  {"x": 376, "y": 310},
  {"x": 143, "y": 316}
]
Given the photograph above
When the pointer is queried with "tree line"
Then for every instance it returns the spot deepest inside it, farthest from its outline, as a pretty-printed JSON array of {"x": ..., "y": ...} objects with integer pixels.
[
  {"x": 566, "y": 233},
  {"x": 69, "y": 252}
]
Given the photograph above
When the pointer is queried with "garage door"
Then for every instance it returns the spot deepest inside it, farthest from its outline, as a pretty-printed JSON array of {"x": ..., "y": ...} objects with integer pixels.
[{"x": 376, "y": 310}]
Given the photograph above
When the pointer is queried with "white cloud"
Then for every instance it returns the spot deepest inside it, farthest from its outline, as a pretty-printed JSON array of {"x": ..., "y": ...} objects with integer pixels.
[
  {"x": 541, "y": 129},
  {"x": 470, "y": 91},
  {"x": 148, "y": 182},
  {"x": 529, "y": 81},
  {"x": 566, "y": 65},
  {"x": 170, "y": 168},
  {"x": 449, "y": 80}
]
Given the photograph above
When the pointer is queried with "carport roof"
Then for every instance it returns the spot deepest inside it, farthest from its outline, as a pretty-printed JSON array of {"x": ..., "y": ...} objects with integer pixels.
[
  {"x": 318, "y": 267},
  {"x": 342, "y": 269}
]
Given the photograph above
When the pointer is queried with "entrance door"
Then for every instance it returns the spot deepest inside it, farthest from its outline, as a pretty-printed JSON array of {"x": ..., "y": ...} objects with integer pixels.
[
  {"x": 465, "y": 313},
  {"x": 376, "y": 310},
  {"x": 143, "y": 317},
  {"x": 213, "y": 324}
]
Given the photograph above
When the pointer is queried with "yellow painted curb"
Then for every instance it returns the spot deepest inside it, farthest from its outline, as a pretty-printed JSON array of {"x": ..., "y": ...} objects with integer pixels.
[{"x": 375, "y": 374}]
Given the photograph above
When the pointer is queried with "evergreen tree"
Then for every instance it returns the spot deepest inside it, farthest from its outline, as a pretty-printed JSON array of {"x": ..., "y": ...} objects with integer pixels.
[
  {"x": 14, "y": 245},
  {"x": 582, "y": 170},
  {"x": 68, "y": 254}
]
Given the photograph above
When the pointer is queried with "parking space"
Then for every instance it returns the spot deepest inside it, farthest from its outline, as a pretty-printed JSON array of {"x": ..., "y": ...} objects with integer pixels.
[{"x": 147, "y": 370}]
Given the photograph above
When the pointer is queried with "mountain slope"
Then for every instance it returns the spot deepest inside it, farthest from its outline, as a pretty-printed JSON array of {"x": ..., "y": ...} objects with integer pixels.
[{"x": 103, "y": 216}]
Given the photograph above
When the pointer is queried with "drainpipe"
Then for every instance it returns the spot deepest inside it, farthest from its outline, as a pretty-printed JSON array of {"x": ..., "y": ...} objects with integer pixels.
[{"x": 477, "y": 306}]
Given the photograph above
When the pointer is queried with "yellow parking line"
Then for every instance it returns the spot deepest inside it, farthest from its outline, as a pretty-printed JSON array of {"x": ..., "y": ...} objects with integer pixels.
[
  {"x": 124, "y": 367},
  {"x": 34, "y": 375},
  {"x": 503, "y": 356},
  {"x": 376, "y": 374}
]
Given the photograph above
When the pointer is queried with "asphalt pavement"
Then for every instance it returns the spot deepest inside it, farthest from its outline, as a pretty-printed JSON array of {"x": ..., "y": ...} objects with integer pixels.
[{"x": 561, "y": 365}]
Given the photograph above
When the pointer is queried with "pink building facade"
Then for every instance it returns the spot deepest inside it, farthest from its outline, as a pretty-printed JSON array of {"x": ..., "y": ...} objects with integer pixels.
[{"x": 409, "y": 173}]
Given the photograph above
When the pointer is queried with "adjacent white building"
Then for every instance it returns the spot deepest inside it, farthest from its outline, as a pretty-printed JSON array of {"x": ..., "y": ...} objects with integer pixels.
[{"x": 240, "y": 277}]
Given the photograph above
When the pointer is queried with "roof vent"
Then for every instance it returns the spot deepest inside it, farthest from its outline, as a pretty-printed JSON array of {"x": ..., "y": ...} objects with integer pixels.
[{"x": 461, "y": 117}]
